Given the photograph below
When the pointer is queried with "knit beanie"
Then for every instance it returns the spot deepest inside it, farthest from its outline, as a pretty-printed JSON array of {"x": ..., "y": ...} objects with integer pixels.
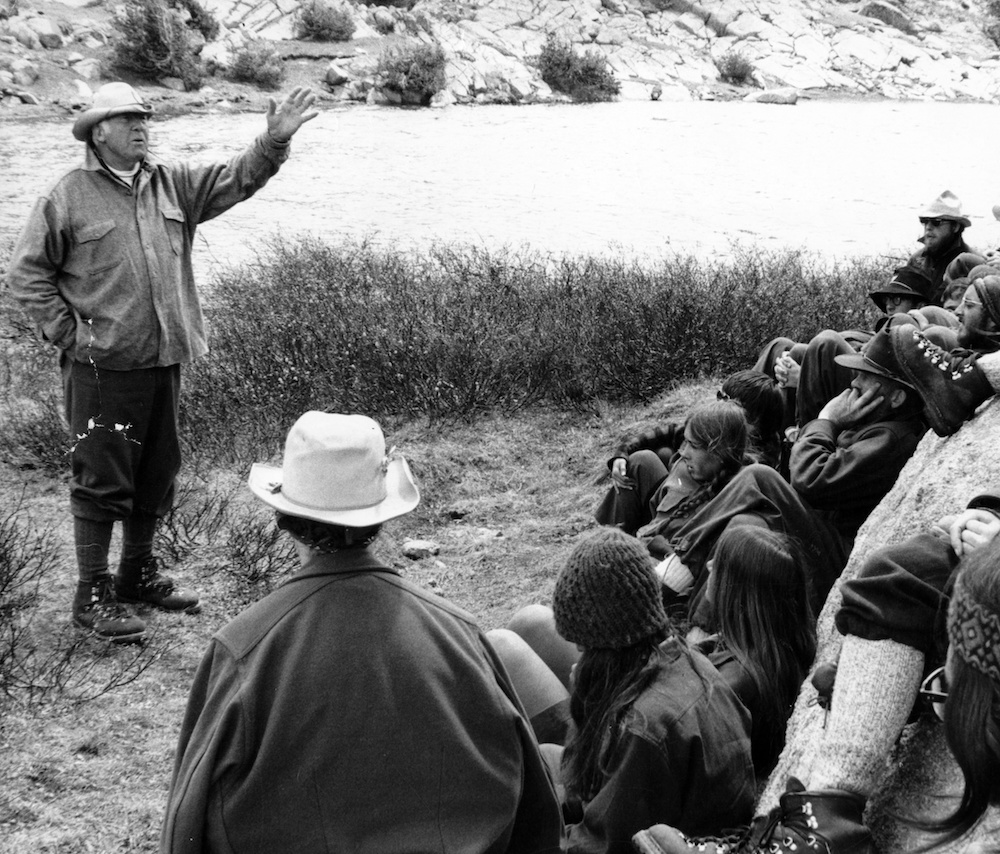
[{"x": 606, "y": 597}]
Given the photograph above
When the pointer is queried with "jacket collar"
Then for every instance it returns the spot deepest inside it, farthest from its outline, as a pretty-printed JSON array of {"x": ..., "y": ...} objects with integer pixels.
[{"x": 347, "y": 561}]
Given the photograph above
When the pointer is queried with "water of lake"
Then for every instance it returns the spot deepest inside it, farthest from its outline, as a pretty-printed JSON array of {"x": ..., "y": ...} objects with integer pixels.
[{"x": 640, "y": 178}]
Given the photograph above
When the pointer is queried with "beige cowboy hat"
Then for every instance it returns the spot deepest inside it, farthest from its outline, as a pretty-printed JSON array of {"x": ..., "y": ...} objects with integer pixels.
[
  {"x": 112, "y": 99},
  {"x": 945, "y": 206},
  {"x": 336, "y": 470}
]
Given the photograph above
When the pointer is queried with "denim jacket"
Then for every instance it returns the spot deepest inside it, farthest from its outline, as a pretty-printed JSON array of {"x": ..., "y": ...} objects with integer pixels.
[{"x": 104, "y": 270}]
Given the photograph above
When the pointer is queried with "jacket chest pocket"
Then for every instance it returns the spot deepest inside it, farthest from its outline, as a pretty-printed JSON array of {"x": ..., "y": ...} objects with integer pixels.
[
  {"x": 174, "y": 223},
  {"x": 99, "y": 247}
]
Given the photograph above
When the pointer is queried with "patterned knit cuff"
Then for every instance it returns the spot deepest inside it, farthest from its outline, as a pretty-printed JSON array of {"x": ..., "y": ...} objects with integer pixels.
[{"x": 974, "y": 632}]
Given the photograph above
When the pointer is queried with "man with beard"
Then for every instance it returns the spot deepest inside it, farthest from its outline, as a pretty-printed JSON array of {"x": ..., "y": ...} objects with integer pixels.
[
  {"x": 979, "y": 316},
  {"x": 842, "y": 464},
  {"x": 943, "y": 223}
]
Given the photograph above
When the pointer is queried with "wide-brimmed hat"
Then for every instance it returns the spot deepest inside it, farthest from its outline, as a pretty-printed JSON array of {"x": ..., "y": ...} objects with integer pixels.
[
  {"x": 336, "y": 470},
  {"x": 907, "y": 281},
  {"x": 876, "y": 357},
  {"x": 112, "y": 99},
  {"x": 945, "y": 206}
]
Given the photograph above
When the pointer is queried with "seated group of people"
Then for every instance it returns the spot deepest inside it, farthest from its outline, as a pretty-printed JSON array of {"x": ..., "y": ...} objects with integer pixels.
[{"x": 351, "y": 710}]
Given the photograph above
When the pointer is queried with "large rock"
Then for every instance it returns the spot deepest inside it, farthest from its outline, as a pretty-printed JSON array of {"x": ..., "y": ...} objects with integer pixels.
[
  {"x": 887, "y": 14},
  {"x": 922, "y": 778}
]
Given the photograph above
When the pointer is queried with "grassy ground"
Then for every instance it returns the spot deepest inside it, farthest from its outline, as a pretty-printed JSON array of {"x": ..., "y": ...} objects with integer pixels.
[{"x": 503, "y": 497}]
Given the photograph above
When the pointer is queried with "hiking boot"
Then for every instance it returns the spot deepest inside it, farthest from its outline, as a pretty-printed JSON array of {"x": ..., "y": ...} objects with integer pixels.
[
  {"x": 96, "y": 609},
  {"x": 949, "y": 382},
  {"x": 824, "y": 821},
  {"x": 148, "y": 586}
]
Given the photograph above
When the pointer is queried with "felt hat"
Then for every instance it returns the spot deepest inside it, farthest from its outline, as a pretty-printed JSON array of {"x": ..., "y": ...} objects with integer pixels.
[
  {"x": 112, "y": 99},
  {"x": 876, "y": 357},
  {"x": 336, "y": 470},
  {"x": 945, "y": 206},
  {"x": 606, "y": 596},
  {"x": 907, "y": 281}
]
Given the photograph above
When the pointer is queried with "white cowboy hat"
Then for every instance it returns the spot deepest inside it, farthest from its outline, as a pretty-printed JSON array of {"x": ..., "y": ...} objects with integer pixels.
[
  {"x": 945, "y": 206},
  {"x": 112, "y": 99},
  {"x": 336, "y": 470}
]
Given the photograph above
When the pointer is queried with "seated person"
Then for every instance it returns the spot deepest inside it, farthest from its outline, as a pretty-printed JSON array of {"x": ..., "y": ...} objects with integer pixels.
[
  {"x": 350, "y": 708},
  {"x": 656, "y": 733},
  {"x": 650, "y": 501},
  {"x": 895, "y": 644},
  {"x": 809, "y": 373},
  {"x": 762, "y": 403},
  {"x": 764, "y": 636}
]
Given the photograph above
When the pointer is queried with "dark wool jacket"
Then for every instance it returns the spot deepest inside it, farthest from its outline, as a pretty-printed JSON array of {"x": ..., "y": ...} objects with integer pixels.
[
  {"x": 844, "y": 474},
  {"x": 684, "y": 760},
  {"x": 350, "y": 710},
  {"x": 935, "y": 265}
]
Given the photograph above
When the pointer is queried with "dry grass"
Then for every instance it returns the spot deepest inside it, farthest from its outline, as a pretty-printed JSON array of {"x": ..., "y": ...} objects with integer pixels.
[{"x": 504, "y": 497}]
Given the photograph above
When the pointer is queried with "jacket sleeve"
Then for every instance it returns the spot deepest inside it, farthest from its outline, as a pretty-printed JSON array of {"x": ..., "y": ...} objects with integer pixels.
[
  {"x": 33, "y": 274},
  {"x": 210, "y": 742},
  {"x": 641, "y": 790},
  {"x": 209, "y": 190},
  {"x": 668, "y": 436},
  {"x": 828, "y": 474}
]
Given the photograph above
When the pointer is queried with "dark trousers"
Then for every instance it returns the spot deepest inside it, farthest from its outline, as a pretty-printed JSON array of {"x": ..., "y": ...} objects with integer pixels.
[
  {"x": 126, "y": 452},
  {"x": 901, "y": 593},
  {"x": 630, "y": 509}
]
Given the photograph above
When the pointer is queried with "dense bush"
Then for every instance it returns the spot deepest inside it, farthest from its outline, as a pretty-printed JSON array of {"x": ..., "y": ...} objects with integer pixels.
[
  {"x": 584, "y": 78},
  {"x": 414, "y": 70},
  {"x": 734, "y": 67},
  {"x": 199, "y": 18},
  {"x": 258, "y": 62},
  {"x": 321, "y": 20},
  {"x": 398, "y": 4},
  {"x": 153, "y": 41},
  {"x": 458, "y": 331}
]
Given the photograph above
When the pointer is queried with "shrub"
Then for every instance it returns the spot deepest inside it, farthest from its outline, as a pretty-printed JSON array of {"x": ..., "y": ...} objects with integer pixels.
[
  {"x": 321, "y": 20},
  {"x": 398, "y": 4},
  {"x": 458, "y": 331},
  {"x": 199, "y": 18},
  {"x": 153, "y": 41},
  {"x": 734, "y": 67},
  {"x": 992, "y": 31},
  {"x": 415, "y": 70},
  {"x": 258, "y": 62},
  {"x": 584, "y": 78}
]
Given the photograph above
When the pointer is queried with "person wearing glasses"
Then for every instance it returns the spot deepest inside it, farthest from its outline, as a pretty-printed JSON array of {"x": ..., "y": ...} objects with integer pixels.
[
  {"x": 943, "y": 223},
  {"x": 895, "y": 639}
]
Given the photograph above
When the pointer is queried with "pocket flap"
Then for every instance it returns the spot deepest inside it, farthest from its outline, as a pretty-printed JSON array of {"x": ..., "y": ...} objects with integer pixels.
[
  {"x": 94, "y": 231},
  {"x": 175, "y": 214}
]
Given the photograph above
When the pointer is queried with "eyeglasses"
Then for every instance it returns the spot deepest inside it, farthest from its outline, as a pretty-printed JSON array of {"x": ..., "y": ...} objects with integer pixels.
[
  {"x": 969, "y": 303},
  {"x": 935, "y": 686},
  {"x": 935, "y": 222}
]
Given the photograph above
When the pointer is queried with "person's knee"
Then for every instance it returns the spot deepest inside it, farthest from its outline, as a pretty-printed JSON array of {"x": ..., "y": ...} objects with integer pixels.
[
  {"x": 828, "y": 339},
  {"x": 532, "y": 620}
]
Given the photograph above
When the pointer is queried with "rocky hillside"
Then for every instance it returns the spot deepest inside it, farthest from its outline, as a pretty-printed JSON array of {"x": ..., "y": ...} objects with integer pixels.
[{"x": 905, "y": 49}]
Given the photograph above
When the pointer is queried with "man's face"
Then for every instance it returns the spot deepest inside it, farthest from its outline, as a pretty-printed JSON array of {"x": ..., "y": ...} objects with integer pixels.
[
  {"x": 863, "y": 381},
  {"x": 938, "y": 233},
  {"x": 974, "y": 320},
  {"x": 900, "y": 304},
  {"x": 122, "y": 141}
]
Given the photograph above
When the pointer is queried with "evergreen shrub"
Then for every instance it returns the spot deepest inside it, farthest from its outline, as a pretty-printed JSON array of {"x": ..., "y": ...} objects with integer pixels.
[
  {"x": 258, "y": 62},
  {"x": 321, "y": 20},
  {"x": 153, "y": 41},
  {"x": 414, "y": 69},
  {"x": 584, "y": 78},
  {"x": 734, "y": 67}
]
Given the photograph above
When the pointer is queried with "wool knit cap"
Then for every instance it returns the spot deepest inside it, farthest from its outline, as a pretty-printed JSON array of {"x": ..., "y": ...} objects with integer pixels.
[
  {"x": 974, "y": 632},
  {"x": 606, "y": 596},
  {"x": 988, "y": 289}
]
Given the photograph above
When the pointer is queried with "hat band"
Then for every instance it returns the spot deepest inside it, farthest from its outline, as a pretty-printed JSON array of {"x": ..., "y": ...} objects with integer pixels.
[{"x": 327, "y": 508}]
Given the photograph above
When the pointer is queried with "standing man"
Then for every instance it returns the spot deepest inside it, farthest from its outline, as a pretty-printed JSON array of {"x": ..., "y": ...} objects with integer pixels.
[
  {"x": 103, "y": 268},
  {"x": 943, "y": 223}
]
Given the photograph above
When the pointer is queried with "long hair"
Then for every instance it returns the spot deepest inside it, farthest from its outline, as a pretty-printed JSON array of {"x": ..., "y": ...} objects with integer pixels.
[
  {"x": 972, "y": 710},
  {"x": 761, "y": 600},
  {"x": 606, "y": 683},
  {"x": 719, "y": 427},
  {"x": 760, "y": 396}
]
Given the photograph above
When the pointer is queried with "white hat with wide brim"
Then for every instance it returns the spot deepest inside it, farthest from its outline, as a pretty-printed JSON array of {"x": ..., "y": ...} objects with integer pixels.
[
  {"x": 112, "y": 99},
  {"x": 336, "y": 470}
]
